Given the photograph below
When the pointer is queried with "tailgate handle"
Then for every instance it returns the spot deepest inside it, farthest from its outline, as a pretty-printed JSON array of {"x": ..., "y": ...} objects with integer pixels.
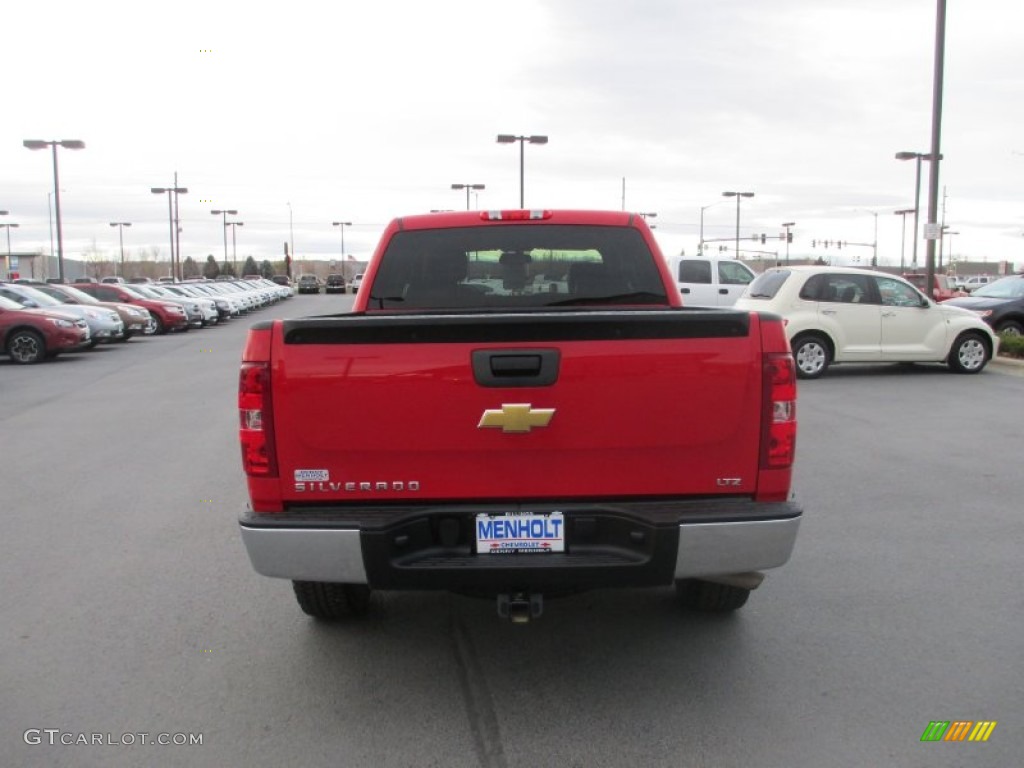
[{"x": 515, "y": 367}]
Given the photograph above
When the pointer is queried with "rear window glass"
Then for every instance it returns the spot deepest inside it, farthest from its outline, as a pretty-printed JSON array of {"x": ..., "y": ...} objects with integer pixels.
[
  {"x": 767, "y": 284},
  {"x": 838, "y": 287},
  {"x": 694, "y": 271},
  {"x": 512, "y": 266}
]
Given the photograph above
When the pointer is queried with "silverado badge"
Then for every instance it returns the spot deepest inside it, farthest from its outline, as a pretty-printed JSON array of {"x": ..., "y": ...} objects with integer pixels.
[{"x": 516, "y": 417}]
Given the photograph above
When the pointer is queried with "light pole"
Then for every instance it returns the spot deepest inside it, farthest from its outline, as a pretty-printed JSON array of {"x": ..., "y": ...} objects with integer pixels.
[
  {"x": 874, "y": 242},
  {"x": 234, "y": 245},
  {"x": 291, "y": 231},
  {"x": 738, "y": 196},
  {"x": 942, "y": 239},
  {"x": 67, "y": 144},
  {"x": 789, "y": 236},
  {"x": 172, "y": 198},
  {"x": 936, "y": 146},
  {"x": 903, "y": 238},
  {"x": 508, "y": 138},
  {"x": 8, "y": 227},
  {"x": 224, "y": 213},
  {"x": 468, "y": 187},
  {"x": 918, "y": 156},
  {"x": 341, "y": 225},
  {"x": 700, "y": 243},
  {"x": 120, "y": 232}
]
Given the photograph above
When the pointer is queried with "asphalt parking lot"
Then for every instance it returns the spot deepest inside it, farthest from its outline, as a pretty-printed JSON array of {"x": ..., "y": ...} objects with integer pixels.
[{"x": 129, "y": 606}]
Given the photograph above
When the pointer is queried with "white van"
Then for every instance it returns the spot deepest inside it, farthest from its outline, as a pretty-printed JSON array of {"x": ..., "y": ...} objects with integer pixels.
[
  {"x": 974, "y": 282},
  {"x": 708, "y": 281}
]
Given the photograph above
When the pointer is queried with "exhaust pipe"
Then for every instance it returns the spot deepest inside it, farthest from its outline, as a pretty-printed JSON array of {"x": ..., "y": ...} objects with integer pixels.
[{"x": 520, "y": 607}]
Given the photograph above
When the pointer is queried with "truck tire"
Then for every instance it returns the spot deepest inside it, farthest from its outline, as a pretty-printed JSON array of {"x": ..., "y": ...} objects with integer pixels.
[
  {"x": 969, "y": 353},
  {"x": 26, "y": 347},
  {"x": 329, "y": 602},
  {"x": 710, "y": 597},
  {"x": 812, "y": 354}
]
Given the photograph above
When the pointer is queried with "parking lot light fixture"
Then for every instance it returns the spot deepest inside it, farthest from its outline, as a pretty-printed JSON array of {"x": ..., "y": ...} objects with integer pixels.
[
  {"x": 918, "y": 157},
  {"x": 738, "y": 196},
  {"x": 120, "y": 231},
  {"x": 224, "y": 213},
  {"x": 468, "y": 188},
  {"x": 789, "y": 236},
  {"x": 944, "y": 233},
  {"x": 67, "y": 144},
  {"x": 508, "y": 138},
  {"x": 903, "y": 238},
  {"x": 172, "y": 196},
  {"x": 234, "y": 244},
  {"x": 341, "y": 225}
]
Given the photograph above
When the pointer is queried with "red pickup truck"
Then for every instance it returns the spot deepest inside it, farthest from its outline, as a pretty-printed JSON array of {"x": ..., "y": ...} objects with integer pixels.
[{"x": 518, "y": 405}]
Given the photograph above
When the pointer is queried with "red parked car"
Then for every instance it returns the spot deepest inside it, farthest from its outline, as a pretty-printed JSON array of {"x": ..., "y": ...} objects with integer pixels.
[
  {"x": 167, "y": 315},
  {"x": 135, "y": 319},
  {"x": 944, "y": 288},
  {"x": 31, "y": 335}
]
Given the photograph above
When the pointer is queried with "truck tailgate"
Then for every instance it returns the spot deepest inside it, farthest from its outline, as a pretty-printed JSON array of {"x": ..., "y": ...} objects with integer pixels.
[{"x": 370, "y": 408}]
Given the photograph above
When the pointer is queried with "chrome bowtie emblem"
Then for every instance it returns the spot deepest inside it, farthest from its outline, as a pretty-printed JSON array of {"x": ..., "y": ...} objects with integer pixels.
[{"x": 516, "y": 417}]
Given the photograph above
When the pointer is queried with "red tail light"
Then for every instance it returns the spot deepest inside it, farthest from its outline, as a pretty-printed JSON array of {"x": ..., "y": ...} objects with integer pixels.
[
  {"x": 778, "y": 433},
  {"x": 256, "y": 420}
]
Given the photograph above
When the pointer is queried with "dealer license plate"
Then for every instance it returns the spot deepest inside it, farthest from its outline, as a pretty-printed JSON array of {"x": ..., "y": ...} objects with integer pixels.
[{"x": 520, "y": 533}]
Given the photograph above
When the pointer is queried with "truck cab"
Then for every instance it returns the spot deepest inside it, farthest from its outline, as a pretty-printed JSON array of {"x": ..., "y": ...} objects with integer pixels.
[{"x": 708, "y": 281}]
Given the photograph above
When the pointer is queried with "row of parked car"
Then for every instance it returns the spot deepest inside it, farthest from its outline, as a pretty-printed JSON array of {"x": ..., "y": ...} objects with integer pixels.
[
  {"x": 335, "y": 283},
  {"x": 40, "y": 320}
]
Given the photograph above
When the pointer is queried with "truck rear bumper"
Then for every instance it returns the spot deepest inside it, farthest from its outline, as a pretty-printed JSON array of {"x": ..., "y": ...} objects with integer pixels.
[
  {"x": 306, "y": 554},
  {"x": 606, "y": 547}
]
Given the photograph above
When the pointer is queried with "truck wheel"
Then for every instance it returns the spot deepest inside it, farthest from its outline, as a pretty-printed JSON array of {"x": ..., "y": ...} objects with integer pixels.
[
  {"x": 328, "y": 601},
  {"x": 710, "y": 597},
  {"x": 812, "y": 355},
  {"x": 969, "y": 353},
  {"x": 26, "y": 347}
]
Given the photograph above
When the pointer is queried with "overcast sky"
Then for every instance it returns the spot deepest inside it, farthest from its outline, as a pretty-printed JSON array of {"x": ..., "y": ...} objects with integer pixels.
[{"x": 302, "y": 113}]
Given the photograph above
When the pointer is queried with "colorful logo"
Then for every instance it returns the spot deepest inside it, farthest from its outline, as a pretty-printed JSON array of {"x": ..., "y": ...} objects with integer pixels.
[{"x": 959, "y": 730}]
